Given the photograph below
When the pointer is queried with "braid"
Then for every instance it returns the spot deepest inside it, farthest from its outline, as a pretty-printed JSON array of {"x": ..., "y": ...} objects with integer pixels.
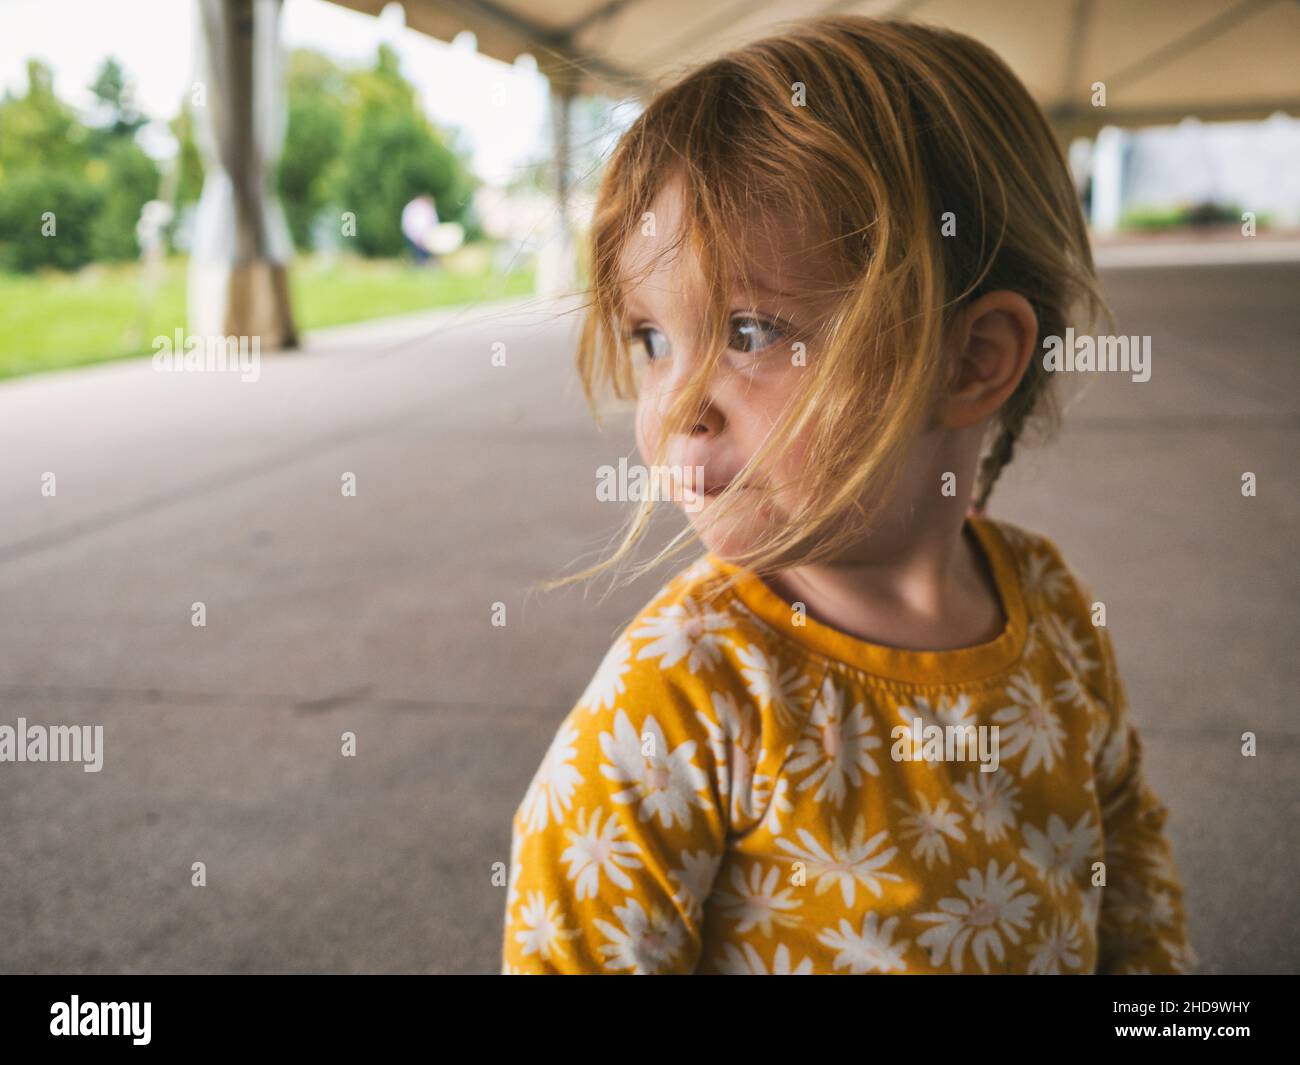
[
  {"x": 1032, "y": 392},
  {"x": 1004, "y": 447}
]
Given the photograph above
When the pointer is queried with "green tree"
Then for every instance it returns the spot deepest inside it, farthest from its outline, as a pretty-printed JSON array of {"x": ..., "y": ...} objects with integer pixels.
[
  {"x": 117, "y": 116},
  {"x": 125, "y": 177},
  {"x": 313, "y": 140},
  {"x": 189, "y": 181},
  {"x": 130, "y": 181},
  {"x": 47, "y": 199},
  {"x": 38, "y": 131},
  {"x": 392, "y": 154},
  {"x": 70, "y": 193}
]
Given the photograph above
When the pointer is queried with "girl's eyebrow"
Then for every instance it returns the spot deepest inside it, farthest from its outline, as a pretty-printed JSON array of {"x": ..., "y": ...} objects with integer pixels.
[
  {"x": 760, "y": 288},
  {"x": 631, "y": 305},
  {"x": 744, "y": 296}
]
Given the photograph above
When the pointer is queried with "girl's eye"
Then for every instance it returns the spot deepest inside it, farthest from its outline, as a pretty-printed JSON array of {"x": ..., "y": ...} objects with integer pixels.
[
  {"x": 652, "y": 341},
  {"x": 750, "y": 335}
]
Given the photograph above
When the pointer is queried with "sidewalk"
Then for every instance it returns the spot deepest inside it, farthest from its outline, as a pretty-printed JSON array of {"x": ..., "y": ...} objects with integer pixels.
[{"x": 372, "y": 614}]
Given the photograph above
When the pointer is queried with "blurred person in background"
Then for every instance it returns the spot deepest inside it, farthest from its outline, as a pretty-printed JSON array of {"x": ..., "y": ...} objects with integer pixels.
[{"x": 419, "y": 221}]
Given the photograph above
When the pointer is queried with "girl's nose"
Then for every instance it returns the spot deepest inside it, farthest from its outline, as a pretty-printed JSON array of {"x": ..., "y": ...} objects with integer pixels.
[{"x": 708, "y": 422}]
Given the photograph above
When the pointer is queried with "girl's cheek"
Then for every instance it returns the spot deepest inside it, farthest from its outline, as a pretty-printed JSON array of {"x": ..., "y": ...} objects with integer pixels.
[{"x": 647, "y": 429}]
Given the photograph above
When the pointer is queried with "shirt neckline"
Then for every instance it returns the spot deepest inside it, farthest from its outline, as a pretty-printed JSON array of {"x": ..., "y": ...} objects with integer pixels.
[{"x": 976, "y": 662}]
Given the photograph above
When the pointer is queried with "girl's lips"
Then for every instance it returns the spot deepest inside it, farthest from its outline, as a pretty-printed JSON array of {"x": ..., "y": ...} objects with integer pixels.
[
  {"x": 716, "y": 488},
  {"x": 711, "y": 491}
]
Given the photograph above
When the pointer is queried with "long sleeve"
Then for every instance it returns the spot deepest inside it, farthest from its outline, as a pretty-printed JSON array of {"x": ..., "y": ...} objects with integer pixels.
[
  {"x": 1142, "y": 925},
  {"x": 619, "y": 836}
]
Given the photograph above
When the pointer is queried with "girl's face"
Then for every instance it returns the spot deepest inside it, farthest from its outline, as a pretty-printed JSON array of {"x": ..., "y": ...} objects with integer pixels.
[{"x": 771, "y": 345}]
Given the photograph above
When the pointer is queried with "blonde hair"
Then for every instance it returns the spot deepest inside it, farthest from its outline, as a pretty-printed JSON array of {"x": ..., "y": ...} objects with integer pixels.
[{"x": 898, "y": 124}]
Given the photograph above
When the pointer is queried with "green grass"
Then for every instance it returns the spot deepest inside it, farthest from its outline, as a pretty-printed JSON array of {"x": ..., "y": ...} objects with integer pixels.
[{"x": 53, "y": 321}]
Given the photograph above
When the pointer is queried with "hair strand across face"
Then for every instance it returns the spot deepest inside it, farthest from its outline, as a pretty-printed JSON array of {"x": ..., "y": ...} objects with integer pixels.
[{"x": 865, "y": 135}]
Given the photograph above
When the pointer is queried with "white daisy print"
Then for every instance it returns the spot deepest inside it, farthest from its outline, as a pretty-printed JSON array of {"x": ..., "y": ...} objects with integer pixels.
[
  {"x": 694, "y": 879},
  {"x": 516, "y": 867},
  {"x": 1072, "y": 693},
  {"x": 1043, "y": 578},
  {"x": 944, "y": 712},
  {"x": 845, "y": 863},
  {"x": 551, "y": 792},
  {"x": 746, "y": 961},
  {"x": 684, "y": 630},
  {"x": 1060, "y": 855},
  {"x": 754, "y": 900},
  {"x": 701, "y": 567},
  {"x": 1018, "y": 539},
  {"x": 737, "y": 744},
  {"x": 644, "y": 943},
  {"x": 1032, "y": 640},
  {"x": 992, "y": 800},
  {"x": 835, "y": 748},
  {"x": 782, "y": 689},
  {"x": 1182, "y": 958},
  {"x": 723, "y": 798},
  {"x": 665, "y": 784},
  {"x": 1059, "y": 633},
  {"x": 992, "y": 909},
  {"x": 597, "y": 849},
  {"x": 1138, "y": 907},
  {"x": 542, "y": 930},
  {"x": 1058, "y": 947},
  {"x": 1114, "y": 758},
  {"x": 1029, "y": 726},
  {"x": 607, "y": 685},
  {"x": 778, "y": 807},
  {"x": 1098, "y": 726},
  {"x": 931, "y": 827},
  {"x": 872, "y": 950},
  {"x": 1160, "y": 863}
]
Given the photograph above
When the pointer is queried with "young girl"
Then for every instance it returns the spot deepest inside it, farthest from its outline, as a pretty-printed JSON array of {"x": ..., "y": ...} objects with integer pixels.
[{"x": 870, "y": 730}]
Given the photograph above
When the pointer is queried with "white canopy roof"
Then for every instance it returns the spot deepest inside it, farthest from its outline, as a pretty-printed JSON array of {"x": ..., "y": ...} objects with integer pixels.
[{"x": 1161, "y": 60}]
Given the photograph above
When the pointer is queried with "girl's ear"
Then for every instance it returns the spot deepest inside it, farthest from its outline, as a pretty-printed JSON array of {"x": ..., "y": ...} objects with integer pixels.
[{"x": 993, "y": 341}]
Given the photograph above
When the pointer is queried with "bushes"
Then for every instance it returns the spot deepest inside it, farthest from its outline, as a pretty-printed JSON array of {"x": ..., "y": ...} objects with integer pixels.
[
  {"x": 391, "y": 160},
  {"x": 358, "y": 142},
  {"x": 1196, "y": 216},
  {"x": 65, "y": 220},
  {"x": 312, "y": 141},
  {"x": 30, "y": 238},
  {"x": 69, "y": 193}
]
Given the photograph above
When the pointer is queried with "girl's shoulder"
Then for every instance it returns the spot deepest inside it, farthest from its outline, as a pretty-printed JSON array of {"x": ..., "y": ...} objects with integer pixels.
[
  {"x": 692, "y": 641},
  {"x": 1065, "y": 613},
  {"x": 691, "y": 676},
  {"x": 1047, "y": 582}
]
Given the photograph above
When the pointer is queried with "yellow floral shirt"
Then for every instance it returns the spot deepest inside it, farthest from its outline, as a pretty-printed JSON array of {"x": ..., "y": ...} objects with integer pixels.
[{"x": 743, "y": 789}]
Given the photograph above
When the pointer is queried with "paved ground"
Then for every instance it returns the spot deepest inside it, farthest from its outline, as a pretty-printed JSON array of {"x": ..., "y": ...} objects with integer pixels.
[{"x": 372, "y": 614}]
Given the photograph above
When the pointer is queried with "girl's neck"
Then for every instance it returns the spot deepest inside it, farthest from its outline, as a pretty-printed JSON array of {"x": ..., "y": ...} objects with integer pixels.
[{"x": 931, "y": 590}]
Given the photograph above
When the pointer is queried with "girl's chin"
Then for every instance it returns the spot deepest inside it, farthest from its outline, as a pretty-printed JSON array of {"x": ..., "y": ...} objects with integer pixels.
[{"x": 725, "y": 537}]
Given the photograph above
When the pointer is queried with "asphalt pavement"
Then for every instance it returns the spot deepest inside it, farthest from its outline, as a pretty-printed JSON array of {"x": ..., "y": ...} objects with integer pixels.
[{"x": 327, "y": 613}]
